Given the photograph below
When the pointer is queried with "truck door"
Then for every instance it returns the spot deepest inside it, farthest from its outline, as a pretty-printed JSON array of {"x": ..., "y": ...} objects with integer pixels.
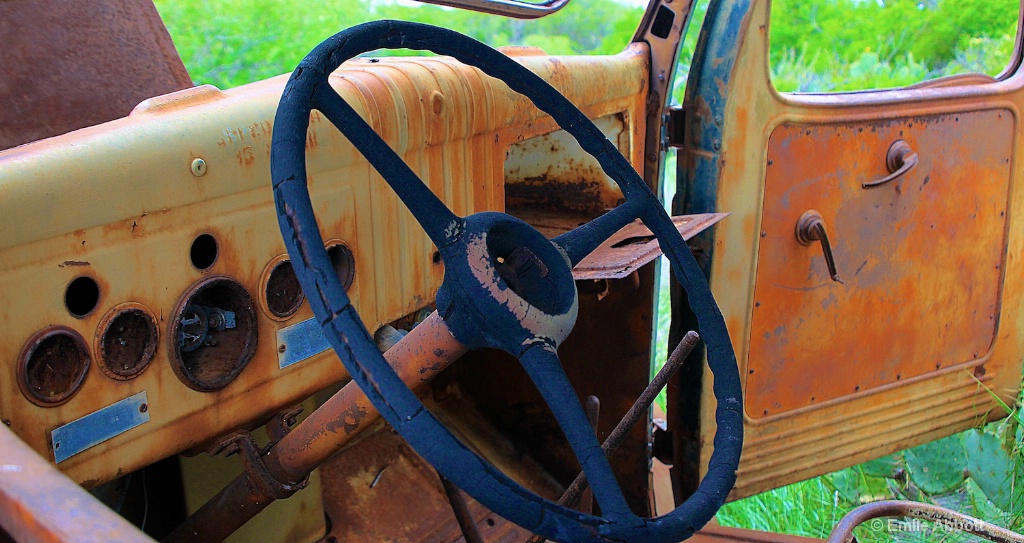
[{"x": 870, "y": 269}]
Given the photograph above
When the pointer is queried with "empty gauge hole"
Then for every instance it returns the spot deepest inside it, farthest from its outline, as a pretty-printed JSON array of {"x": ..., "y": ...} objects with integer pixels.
[
  {"x": 344, "y": 263},
  {"x": 81, "y": 296},
  {"x": 284, "y": 295},
  {"x": 204, "y": 251},
  {"x": 213, "y": 333}
]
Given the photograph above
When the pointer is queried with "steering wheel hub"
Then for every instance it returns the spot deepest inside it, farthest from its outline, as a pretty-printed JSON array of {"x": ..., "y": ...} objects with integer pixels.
[{"x": 506, "y": 286}]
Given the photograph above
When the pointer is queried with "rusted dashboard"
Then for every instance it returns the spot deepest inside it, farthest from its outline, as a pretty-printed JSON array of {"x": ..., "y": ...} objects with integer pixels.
[{"x": 147, "y": 301}]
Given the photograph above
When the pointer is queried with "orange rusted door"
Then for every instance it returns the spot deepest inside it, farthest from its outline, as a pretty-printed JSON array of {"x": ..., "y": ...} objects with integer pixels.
[{"x": 910, "y": 193}]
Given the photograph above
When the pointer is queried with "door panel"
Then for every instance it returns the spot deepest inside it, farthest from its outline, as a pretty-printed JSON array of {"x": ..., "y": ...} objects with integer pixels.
[
  {"x": 919, "y": 293},
  {"x": 929, "y": 317}
]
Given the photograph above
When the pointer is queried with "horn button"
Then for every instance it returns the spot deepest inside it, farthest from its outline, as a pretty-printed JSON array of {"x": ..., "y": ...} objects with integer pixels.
[{"x": 506, "y": 286}]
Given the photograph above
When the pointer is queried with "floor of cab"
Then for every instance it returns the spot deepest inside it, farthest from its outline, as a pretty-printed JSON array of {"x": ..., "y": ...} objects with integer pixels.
[{"x": 379, "y": 489}]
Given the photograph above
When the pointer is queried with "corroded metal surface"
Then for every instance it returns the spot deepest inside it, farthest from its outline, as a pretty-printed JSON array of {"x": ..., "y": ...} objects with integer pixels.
[
  {"x": 284, "y": 468},
  {"x": 423, "y": 353},
  {"x": 126, "y": 340},
  {"x": 52, "y": 366},
  {"x": 921, "y": 258},
  {"x": 539, "y": 175},
  {"x": 38, "y": 503},
  {"x": 732, "y": 111},
  {"x": 612, "y": 336},
  {"x": 68, "y": 65},
  {"x": 456, "y": 141},
  {"x": 577, "y": 495},
  {"x": 634, "y": 245},
  {"x": 379, "y": 489}
]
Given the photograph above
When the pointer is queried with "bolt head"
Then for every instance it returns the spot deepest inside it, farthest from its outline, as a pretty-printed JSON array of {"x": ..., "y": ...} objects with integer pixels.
[{"x": 198, "y": 167}]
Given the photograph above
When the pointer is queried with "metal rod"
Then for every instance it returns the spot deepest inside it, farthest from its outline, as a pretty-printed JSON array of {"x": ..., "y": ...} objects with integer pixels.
[
  {"x": 639, "y": 409},
  {"x": 470, "y": 531},
  {"x": 948, "y": 519},
  {"x": 39, "y": 503},
  {"x": 427, "y": 350},
  {"x": 506, "y": 8},
  {"x": 592, "y": 406}
]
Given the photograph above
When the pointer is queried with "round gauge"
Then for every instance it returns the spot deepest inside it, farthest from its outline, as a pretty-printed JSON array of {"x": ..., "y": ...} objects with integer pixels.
[
  {"x": 126, "y": 341},
  {"x": 52, "y": 366}
]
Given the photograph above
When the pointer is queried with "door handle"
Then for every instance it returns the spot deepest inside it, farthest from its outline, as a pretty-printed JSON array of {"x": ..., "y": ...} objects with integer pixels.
[
  {"x": 900, "y": 159},
  {"x": 810, "y": 227}
]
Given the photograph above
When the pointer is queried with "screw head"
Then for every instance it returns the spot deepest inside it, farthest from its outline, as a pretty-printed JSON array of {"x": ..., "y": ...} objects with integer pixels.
[{"x": 198, "y": 167}]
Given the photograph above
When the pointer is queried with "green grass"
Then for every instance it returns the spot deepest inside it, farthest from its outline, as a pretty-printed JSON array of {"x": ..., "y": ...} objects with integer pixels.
[{"x": 808, "y": 508}]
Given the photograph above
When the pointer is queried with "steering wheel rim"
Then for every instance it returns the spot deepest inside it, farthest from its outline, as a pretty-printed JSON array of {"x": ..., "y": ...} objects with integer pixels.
[{"x": 469, "y": 247}]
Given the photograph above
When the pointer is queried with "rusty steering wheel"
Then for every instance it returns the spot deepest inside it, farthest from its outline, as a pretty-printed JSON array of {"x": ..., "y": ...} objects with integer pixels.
[{"x": 505, "y": 286}]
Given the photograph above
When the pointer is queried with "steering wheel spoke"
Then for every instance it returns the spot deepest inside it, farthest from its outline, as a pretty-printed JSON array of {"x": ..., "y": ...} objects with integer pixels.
[
  {"x": 584, "y": 239},
  {"x": 545, "y": 369},
  {"x": 440, "y": 223}
]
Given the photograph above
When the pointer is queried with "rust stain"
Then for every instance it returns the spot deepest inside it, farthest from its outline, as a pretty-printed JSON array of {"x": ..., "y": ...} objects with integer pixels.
[
  {"x": 922, "y": 275},
  {"x": 245, "y": 156},
  {"x": 469, "y": 178}
]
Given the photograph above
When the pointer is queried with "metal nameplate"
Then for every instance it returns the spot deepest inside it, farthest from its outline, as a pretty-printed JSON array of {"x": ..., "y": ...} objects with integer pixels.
[
  {"x": 300, "y": 341},
  {"x": 99, "y": 426}
]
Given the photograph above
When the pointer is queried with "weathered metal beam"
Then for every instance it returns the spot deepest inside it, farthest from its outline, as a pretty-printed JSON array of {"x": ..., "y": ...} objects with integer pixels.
[{"x": 39, "y": 503}]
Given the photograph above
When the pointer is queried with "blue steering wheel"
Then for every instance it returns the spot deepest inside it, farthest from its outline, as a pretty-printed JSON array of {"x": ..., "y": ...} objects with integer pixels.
[{"x": 505, "y": 286}]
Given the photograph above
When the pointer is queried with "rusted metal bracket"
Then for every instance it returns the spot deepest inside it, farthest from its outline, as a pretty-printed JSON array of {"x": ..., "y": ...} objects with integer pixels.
[
  {"x": 268, "y": 485},
  {"x": 281, "y": 423},
  {"x": 256, "y": 469},
  {"x": 634, "y": 245}
]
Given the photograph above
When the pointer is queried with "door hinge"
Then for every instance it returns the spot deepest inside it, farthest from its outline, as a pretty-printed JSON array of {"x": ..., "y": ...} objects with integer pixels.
[{"x": 675, "y": 126}]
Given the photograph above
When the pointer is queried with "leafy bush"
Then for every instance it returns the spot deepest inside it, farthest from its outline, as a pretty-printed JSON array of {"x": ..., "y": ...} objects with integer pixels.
[
  {"x": 979, "y": 472},
  {"x": 232, "y": 42},
  {"x": 844, "y": 45}
]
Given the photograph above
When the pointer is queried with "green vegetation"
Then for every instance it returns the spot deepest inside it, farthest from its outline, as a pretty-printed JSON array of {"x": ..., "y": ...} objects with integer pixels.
[
  {"x": 978, "y": 472},
  {"x": 816, "y": 45},
  {"x": 232, "y": 42},
  {"x": 842, "y": 45}
]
